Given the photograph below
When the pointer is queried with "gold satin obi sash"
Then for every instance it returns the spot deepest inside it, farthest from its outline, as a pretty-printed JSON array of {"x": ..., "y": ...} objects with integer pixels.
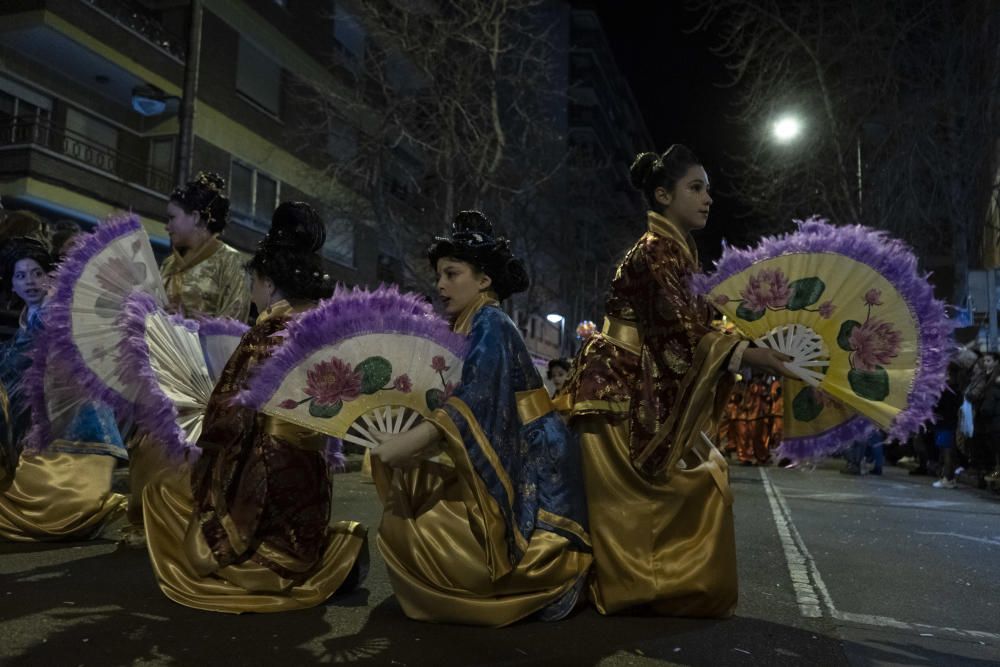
[
  {"x": 622, "y": 333},
  {"x": 293, "y": 434},
  {"x": 533, "y": 404}
]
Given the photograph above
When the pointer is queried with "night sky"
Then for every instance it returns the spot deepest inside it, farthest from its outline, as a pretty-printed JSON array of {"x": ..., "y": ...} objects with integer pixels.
[{"x": 676, "y": 81}]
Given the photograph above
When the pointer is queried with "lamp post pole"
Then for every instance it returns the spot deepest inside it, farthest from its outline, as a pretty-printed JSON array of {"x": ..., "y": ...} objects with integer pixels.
[{"x": 185, "y": 143}]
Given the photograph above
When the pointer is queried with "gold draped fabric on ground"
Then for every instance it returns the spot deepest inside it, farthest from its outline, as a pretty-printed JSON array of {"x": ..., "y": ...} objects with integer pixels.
[
  {"x": 247, "y": 529},
  {"x": 61, "y": 496},
  {"x": 645, "y": 389},
  {"x": 444, "y": 537}
]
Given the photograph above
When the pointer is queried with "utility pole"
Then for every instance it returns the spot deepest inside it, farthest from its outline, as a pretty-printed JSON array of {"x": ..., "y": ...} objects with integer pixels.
[{"x": 185, "y": 143}]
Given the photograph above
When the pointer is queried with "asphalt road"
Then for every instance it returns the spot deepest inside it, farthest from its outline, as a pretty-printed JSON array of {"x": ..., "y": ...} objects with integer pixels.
[{"x": 835, "y": 570}]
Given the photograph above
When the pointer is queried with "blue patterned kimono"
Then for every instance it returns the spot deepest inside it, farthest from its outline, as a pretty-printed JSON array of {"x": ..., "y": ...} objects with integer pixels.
[
  {"x": 502, "y": 535},
  {"x": 91, "y": 430},
  {"x": 530, "y": 464}
]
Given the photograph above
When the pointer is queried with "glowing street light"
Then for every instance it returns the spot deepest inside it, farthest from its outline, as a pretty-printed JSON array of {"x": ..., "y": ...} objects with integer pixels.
[
  {"x": 560, "y": 321},
  {"x": 786, "y": 129}
]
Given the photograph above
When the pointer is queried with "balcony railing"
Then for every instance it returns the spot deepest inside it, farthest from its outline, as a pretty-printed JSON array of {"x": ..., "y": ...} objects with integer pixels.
[
  {"x": 139, "y": 20},
  {"x": 80, "y": 148}
]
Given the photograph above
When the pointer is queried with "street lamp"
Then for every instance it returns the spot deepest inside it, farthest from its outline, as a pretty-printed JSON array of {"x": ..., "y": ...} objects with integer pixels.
[
  {"x": 556, "y": 318},
  {"x": 786, "y": 129}
]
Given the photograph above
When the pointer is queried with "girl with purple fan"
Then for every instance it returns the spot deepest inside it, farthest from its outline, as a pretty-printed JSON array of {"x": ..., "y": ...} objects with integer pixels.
[
  {"x": 502, "y": 535},
  {"x": 645, "y": 389},
  {"x": 249, "y": 530},
  {"x": 59, "y": 488}
]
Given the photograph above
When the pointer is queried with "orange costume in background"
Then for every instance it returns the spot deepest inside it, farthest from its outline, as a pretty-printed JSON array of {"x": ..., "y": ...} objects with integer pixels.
[{"x": 645, "y": 389}]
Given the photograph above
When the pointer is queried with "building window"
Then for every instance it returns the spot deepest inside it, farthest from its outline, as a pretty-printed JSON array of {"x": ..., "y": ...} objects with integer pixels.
[
  {"x": 161, "y": 162},
  {"x": 24, "y": 114},
  {"x": 90, "y": 140},
  {"x": 258, "y": 77},
  {"x": 348, "y": 37},
  {"x": 253, "y": 195},
  {"x": 339, "y": 246}
]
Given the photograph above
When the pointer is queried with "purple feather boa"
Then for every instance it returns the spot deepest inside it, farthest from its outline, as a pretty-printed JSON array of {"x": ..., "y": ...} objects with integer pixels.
[
  {"x": 894, "y": 260},
  {"x": 60, "y": 321},
  {"x": 349, "y": 313}
]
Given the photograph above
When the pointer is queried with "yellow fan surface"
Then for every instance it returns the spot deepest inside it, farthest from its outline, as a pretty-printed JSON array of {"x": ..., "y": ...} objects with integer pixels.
[
  {"x": 850, "y": 334},
  {"x": 377, "y": 383}
]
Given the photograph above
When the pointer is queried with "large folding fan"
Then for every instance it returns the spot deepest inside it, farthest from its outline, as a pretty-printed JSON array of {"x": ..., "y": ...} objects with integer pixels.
[
  {"x": 99, "y": 272},
  {"x": 360, "y": 364},
  {"x": 173, "y": 364},
  {"x": 865, "y": 335}
]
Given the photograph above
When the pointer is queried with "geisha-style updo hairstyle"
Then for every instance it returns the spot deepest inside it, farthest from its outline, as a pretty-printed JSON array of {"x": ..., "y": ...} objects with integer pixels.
[
  {"x": 650, "y": 171},
  {"x": 474, "y": 241},
  {"x": 206, "y": 194},
  {"x": 289, "y": 254},
  {"x": 13, "y": 251}
]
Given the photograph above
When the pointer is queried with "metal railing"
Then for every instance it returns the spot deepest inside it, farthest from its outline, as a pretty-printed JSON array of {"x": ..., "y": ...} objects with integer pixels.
[
  {"x": 42, "y": 132},
  {"x": 139, "y": 20}
]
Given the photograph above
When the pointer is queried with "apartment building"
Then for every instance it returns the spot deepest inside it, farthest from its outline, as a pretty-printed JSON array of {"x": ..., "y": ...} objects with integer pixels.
[{"x": 72, "y": 146}]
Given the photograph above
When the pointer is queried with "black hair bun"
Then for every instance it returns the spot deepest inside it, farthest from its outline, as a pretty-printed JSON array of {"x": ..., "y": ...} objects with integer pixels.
[
  {"x": 206, "y": 194},
  {"x": 642, "y": 169},
  {"x": 514, "y": 278},
  {"x": 473, "y": 240},
  {"x": 472, "y": 223},
  {"x": 289, "y": 254},
  {"x": 296, "y": 225}
]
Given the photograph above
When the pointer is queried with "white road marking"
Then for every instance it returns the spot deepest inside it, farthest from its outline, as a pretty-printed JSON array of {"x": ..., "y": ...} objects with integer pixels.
[
  {"x": 981, "y": 540},
  {"x": 812, "y": 594}
]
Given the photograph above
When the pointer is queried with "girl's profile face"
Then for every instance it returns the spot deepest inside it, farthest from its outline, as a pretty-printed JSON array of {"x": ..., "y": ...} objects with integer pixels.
[
  {"x": 689, "y": 202},
  {"x": 459, "y": 283},
  {"x": 182, "y": 227}
]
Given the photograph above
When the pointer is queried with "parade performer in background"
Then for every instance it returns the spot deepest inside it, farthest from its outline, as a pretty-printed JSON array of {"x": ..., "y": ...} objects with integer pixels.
[
  {"x": 61, "y": 490},
  {"x": 502, "y": 535},
  {"x": 645, "y": 389},
  {"x": 203, "y": 276},
  {"x": 248, "y": 531}
]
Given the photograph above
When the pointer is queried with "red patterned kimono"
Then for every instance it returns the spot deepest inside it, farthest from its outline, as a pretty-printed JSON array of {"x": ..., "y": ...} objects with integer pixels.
[
  {"x": 644, "y": 391},
  {"x": 255, "y": 535}
]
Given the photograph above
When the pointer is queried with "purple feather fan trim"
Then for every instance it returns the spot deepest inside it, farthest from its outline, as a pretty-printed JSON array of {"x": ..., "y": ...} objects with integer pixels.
[
  {"x": 349, "y": 313},
  {"x": 60, "y": 322},
  {"x": 155, "y": 413},
  {"x": 222, "y": 326},
  {"x": 826, "y": 443},
  {"x": 894, "y": 261}
]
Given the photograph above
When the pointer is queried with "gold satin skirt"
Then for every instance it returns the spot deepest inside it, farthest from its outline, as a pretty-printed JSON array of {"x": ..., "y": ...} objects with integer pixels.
[
  {"x": 60, "y": 496},
  {"x": 666, "y": 546},
  {"x": 188, "y": 575},
  {"x": 438, "y": 568}
]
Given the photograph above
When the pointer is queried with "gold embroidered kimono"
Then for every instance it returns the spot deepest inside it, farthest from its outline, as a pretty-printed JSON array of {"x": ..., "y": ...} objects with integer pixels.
[
  {"x": 501, "y": 535},
  {"x": 208, "y": 281},
  {"x": 644, "y": 389},
  {"x": 247, "y": 529}
]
